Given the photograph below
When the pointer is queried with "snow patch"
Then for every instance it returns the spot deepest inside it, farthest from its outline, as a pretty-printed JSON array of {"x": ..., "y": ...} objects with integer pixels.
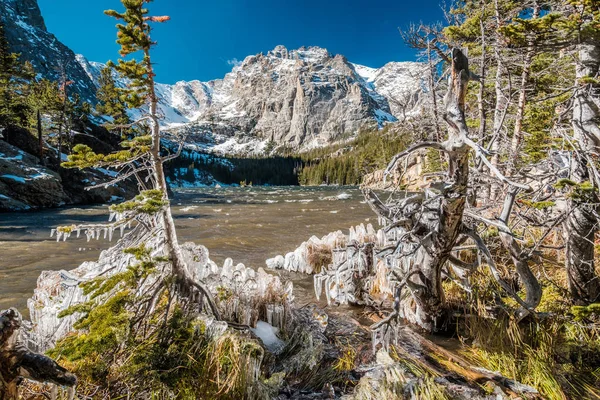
[
  {"x": 14, "y": 178},
  {"x": 268, "y": 334}
]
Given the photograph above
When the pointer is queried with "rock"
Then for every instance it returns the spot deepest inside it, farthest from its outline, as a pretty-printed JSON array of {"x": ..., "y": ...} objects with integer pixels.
[
  {"x": 21, "y": 138},
  {"x": 299, "y": 98},
  {"x": 411, "y": 176},
  {"x": 27, "y": 35},
  {"x": 26, "y": 184}
]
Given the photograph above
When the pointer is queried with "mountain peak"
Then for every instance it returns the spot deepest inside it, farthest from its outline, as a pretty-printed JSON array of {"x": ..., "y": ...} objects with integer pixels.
[
  {"x": 308, "y": 54},
  {"x": 302, "y": 98}
]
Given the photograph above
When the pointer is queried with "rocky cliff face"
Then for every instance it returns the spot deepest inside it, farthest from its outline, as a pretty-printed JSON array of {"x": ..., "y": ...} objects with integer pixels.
[
  {"x": 27, "y": 35},
  {"x": 298, "y": 98}
]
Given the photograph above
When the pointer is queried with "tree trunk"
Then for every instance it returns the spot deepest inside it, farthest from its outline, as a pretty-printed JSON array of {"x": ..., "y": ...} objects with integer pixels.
[
  {"x": 60, "y": 142},
  {"x": 500, "y": 109},
  {"x": 484, "y": 190},
  {"x": 430, "y": 226},
  {"x": 16, "y": 361},
  {"x": 517, "y": 138},
  {"x": 581, "y": 225},
  {"x": 40, "y": 139},
  {"x": 533, "y": 290},
  {"x": 432, "y": 90},
  {"x": 186, "y": 282}
]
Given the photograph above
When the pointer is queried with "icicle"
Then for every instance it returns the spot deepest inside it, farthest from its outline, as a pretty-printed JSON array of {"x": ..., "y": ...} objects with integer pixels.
[
  {"x": 105, "y": 232},
  {"x": 327, "y": 293},
  {"x": 78, "y": 232},
  {"x": 110, "y": 233},
  {"x": 270, "y": 314},
  {"x": 278, "y": 313},
  {"x": 58, "y": 235},
  {"x": 374, "y": 340},
  {"x": 52, "y": 232},
  {"x": 318, "y": 285},
  {"x": 122, "y": 229},
  {"x": 111, "y": 216}
]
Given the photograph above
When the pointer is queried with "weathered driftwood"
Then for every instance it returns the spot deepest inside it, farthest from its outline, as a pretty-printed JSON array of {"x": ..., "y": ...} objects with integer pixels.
[
  {"x": 398, "y": 377},
  {"x": 18, "y": 362}
]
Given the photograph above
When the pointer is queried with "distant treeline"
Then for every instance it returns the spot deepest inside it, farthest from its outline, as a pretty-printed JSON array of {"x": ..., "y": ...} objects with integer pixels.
[
  {"x": 278, "y": 170},
  {"x": 342, "y": 164}
]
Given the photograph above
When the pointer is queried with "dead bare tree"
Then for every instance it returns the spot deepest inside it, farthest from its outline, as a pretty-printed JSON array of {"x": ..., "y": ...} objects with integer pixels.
[
  {"x": 432, "y": 222},
  {"x": 428, "y": 226}
]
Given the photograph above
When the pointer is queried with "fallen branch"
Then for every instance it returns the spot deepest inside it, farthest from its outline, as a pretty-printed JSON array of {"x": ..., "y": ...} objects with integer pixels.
[{"x": 17, "y": 361}]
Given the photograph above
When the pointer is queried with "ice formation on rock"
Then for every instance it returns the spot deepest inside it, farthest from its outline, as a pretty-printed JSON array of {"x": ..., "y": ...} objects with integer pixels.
[
  {"x": 268, "y": 334},
  {"x": 244, "y": 295},
  {"x": 357, "y": 265},
  {"x": 299, "y": 260}
]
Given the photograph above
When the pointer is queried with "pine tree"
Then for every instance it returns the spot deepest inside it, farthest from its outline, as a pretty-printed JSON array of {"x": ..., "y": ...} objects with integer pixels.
[
  {"x": 141, "y": 155},
  {"x": 43, "y": 98},
  {"x": 111, "y": 101},
  {"x": 14, "y": 80}
]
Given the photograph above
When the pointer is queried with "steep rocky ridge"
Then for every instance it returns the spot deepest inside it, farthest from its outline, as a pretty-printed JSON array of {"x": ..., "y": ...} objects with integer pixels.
[{"x": 27, "y": 35}]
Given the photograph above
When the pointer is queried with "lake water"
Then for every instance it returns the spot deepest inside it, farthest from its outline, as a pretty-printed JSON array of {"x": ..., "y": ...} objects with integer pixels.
[{"x": 247, "y": 224}]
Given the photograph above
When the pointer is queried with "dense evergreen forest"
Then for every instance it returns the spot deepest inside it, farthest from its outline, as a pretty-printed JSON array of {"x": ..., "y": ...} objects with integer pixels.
[
  {"x": 339, "y": 164},
  {"x": 259, "y": 170},
  {"x": 347, "y": 163}
]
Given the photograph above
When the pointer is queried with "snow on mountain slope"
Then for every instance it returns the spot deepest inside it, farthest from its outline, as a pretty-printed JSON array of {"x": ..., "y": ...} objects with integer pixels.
[
  {"x": 300, "y": 98},
  {"x": 398, "y": 82},
  {"x": 179, "y": 103},
  {"x": 27, "y": 35}
]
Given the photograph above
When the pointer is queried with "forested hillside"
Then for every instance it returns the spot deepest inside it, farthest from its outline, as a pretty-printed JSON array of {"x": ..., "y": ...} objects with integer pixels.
[{"x": 347, "y": 163}]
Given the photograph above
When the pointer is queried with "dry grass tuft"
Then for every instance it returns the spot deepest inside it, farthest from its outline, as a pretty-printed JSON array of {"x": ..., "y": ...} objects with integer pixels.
[{"x": 319, "y": 256}]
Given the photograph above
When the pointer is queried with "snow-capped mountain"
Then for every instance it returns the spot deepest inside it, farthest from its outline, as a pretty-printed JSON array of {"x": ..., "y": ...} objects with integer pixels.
[
  {"x": 300, "y": 98},
  {"x": 296, "y": 98}
]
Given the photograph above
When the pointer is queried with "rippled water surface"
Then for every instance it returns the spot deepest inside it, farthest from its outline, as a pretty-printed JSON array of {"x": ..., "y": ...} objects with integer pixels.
[{"x": 247, "y": 224}]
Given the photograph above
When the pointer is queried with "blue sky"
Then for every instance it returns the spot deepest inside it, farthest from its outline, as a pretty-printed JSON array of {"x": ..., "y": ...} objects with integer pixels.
[{"x": 203, "y": 37}]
